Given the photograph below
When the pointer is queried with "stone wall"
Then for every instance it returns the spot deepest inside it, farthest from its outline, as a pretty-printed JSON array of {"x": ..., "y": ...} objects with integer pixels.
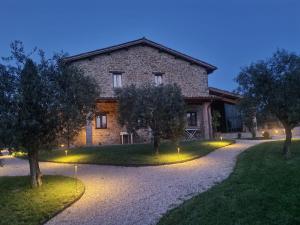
[
  {"x": 111, "y": 134},
  {"x": 138, "y": 65}
]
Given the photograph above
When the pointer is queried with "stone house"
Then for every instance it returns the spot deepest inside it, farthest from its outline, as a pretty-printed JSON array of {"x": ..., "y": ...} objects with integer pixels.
[{"x": 141, "y": 61}]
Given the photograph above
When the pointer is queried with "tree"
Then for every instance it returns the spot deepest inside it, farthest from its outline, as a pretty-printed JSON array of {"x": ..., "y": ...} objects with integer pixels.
[
  {"x": 248, "y": 109},
  {"x": 7, "y": 107},
  {"x": 160, "y": 108},
  {"x": 274, "y": 85},
  {"x": 35, "y": 118},
  {"x": 44, "y": 92},
  {"x": 216, "y": 117},
  {"x": 77, "y": 95}
]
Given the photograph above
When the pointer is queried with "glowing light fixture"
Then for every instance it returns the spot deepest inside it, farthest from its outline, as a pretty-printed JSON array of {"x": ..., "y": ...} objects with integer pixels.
[
  {"x": 178, "y": 150},
  {"x": 62, "y": 145},
  {"x": 276, "y": 131},
  {"x": 75, "y": 176},
  {"x": 66, "y": 151},
  {"x": 221, "y": 138}
]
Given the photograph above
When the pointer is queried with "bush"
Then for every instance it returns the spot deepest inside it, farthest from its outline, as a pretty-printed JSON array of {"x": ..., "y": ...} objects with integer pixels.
[
  {"x": 239, "y": 136},
  {"x": 266, "y": 135}
]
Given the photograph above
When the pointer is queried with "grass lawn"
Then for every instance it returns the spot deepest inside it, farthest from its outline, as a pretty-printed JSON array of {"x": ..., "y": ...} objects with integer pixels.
[
  {"x": 136, "y": 154},
  {"x": 21, "y": 205},
  {"x": 264, "y": 189}
]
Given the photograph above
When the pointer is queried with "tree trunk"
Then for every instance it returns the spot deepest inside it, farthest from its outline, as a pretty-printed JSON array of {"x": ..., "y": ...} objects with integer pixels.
[
  {"x": 253, "y": 132},
  {"x": 287, "y": 143},
  {"x": 156, "y": 143},
  {"x": 35, "y": 173},
  {"x": 68, "y": 140}
]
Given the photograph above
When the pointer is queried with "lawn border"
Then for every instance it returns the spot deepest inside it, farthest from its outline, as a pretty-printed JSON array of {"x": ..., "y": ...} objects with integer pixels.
[
  {"x": 137, "y": 165},
  {"x": 237, "y": 159},
  {"x": 66, "y": 206}
]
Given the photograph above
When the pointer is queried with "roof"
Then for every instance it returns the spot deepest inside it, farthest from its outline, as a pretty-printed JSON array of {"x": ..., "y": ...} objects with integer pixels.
[
  {"x": 223, "y": 93},
  {"x": 142, "y": 41}
]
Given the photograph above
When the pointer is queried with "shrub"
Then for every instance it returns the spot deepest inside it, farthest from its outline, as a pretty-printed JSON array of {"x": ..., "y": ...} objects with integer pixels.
[
  {"x": 239, "y": 136},
  {"x": 266, "y": 135}
]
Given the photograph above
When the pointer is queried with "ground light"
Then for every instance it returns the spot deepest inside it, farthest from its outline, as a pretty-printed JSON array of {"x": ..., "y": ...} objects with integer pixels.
[
  {"x": 75, "y": 177},
  {"x": 221, "y": 138},
  {"x": 178, "y": 152},
  {"x": 66, "y": 151}
]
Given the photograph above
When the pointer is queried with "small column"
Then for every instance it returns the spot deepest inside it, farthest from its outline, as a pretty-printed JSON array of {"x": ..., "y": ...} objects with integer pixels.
[
  {"x": 131, "y": 138},
  {"x": 254, "y": 121},
  {"x": 206, "y": 115},
  {"x": 89, "y": 132}
]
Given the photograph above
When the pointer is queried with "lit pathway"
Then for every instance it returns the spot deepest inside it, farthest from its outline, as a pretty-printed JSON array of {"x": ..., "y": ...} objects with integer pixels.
[{"x": 128, "y": 195}]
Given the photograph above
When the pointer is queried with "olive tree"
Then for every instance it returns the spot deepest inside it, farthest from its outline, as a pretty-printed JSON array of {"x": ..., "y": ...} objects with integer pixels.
[
  {"x": 274, "y": 84},
  {"x": 160, "y": 108},
  {"x": 49, "y": 96}
]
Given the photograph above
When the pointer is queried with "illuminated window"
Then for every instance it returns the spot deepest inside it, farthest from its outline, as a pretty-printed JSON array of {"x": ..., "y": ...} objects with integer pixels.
[{"x": 101, "y": 121}]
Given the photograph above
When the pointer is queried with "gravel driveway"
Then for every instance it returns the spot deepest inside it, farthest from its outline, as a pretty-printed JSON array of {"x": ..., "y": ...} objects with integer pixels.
[{"x": 135, "y": 195}]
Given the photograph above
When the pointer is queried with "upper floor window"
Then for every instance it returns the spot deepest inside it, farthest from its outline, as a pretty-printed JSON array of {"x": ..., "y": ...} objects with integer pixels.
[
  {"x": 191, "y": 119},
  {"x": 158, "y": 79},
  {"x": 101, "y": 121},
  {"x": 117, "y": 80}
]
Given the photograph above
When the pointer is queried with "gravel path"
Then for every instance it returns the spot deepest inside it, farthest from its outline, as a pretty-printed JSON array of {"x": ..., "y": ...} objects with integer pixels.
[{"x": 135, "y": 196}]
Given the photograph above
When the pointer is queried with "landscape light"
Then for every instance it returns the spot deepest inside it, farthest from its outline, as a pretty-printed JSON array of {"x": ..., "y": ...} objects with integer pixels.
[
  {"x": 221, "y": 138},
  {"x": 66, "y": 151},
  {"x": 75, "y": 176},
  {"x": 178, "y": 150}
]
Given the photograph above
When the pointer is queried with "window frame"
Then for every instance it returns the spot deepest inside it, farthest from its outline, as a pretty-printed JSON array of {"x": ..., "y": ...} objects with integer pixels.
[
  {"x": 156, "y": 75},
  {"x": 101, "y": 115},
  {"x": 189, "y": 119},
  {"x": 117, "y": 74}
]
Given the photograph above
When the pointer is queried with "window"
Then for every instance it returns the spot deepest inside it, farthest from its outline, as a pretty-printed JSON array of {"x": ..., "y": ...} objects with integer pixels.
[
  {"x": 191, "y": 119},
  {"x": 233, "y": 118},
  {"x": 158, "y": 79},
  {"x": 101, "y": 121},
  {"x": 117, "y": 80}
]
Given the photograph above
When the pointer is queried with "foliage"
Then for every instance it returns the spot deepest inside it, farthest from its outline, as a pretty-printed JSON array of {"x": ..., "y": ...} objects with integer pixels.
[
  {"x": 274, "y": 85},
  {"x": 46, "y": 96},
  {"x": 248, "y": 109},
  {"x": 77, "y": 95},
  {"x": 135, "y": 154},
  {"x": 160, "y": 108},
  {"x": 216, "y": 120},
  {"x": 7, "y": 107},
  {"x": 21, "y": 205},
  {"x": 263, "y": 189},
  {"x": 266, "y": 135}
]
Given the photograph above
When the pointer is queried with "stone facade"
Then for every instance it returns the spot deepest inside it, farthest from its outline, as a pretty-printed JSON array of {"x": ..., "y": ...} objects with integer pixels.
[
  {"x": 111, "y": 134},
  {"x": 138, "y": 65}
]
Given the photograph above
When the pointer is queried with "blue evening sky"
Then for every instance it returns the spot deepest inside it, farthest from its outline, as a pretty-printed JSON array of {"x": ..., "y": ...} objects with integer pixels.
[{"x": 229, "y": 34}]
